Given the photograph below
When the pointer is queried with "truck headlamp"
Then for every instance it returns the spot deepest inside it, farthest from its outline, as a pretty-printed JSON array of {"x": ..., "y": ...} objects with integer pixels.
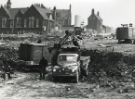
[
  {"x": 54, "y": 70},
  {"x": 74, "y": 68}
]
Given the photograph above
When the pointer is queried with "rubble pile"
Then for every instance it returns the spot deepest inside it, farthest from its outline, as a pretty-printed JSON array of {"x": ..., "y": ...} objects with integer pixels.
[
  {"x": 19, "y": 37},
  {"x": 32, "y": 38},
  {"x": 107, "y": 67},
  {"x": 8, "y": 55}
]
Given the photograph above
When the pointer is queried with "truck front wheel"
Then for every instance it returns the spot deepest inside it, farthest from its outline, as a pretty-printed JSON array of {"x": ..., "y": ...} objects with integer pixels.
[
  {"x": 86, "y": 72},
  {"x": 119, "y": 41},
  {"x": 132, "y": 41},
  {"x": 77, "y": 77},
  {"x": 55, "y": 79}
]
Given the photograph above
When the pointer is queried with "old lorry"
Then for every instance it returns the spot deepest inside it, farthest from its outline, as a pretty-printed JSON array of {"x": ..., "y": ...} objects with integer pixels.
[
  {"x": 71, "y": 64},
  {"x": 67, "y": 60},
  {"x": 125, "y": 34}
]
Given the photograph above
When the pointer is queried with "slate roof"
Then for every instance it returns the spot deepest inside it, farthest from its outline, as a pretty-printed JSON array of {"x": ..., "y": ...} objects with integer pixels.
[
  {"x": 44, "y": 12},
  {"x": 98, "y": 17},
  {"x": 6, "y": 10},
  {"x": 63, "y": 13},
  {"x": 13, "y": 11}
]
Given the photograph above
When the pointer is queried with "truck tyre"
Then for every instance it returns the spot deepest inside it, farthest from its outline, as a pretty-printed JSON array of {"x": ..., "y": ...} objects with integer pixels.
[
  {"x": 119, "y": 41},
  {"x": 132, "y": 41},
  {"x": 77, "y": 77},
  {"x": 26, "y": 69},
  {"x": 87, "y": 73},
  {"x": 55, "y": 79}
]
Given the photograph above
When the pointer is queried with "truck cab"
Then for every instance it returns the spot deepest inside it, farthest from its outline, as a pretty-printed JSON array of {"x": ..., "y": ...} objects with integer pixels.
[
  {"x": 70, "y": 64},
  {"x": 67, "y": 60}
]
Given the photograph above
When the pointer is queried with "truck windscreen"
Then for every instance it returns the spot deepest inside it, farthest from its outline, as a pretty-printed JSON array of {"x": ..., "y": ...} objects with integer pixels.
[{"x": 67, "y": 58}]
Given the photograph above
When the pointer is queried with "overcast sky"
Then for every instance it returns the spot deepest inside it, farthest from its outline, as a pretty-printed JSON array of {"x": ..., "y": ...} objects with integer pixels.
[{"x": 113, "y": 12}]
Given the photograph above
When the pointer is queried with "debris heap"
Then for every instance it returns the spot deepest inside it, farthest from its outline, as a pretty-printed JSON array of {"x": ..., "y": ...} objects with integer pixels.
[{"x": 107, "y": 67}]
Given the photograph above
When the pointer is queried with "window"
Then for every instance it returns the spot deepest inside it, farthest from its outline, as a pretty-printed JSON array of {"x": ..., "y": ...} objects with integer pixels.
[
  {"x": 4, "y": 22},
  {"x": 51, "y": 24},
  {"x": 31, "y": 22},
  {"x": 37, "y": 23},
  {"x": 11, "y": 24},
  {"x": 45, "y": 23},
  {"x": 18, "y": 22},
  {"x": 50, "y": 17},
  {"x": 25, "y": 23}
]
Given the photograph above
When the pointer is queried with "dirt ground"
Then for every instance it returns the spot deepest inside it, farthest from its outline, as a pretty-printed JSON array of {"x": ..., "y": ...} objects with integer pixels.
[
  {"x": 113, "y": 43},
  {"x": 28, "y": 86}
]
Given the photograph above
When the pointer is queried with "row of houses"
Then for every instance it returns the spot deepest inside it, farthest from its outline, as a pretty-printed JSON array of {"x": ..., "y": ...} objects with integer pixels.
[
  {"x": 37, "y": 18},
  {"x": 95, "y": 24}
]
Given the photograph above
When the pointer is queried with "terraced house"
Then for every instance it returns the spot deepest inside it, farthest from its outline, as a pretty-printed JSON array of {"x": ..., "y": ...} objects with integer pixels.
[
  {"x": 34, "y": 19},
  {"x": 95, "y": 22}
]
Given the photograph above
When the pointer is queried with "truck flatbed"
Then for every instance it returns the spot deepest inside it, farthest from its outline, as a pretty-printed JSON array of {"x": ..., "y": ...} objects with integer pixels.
[{"x": 84, "y": 57}]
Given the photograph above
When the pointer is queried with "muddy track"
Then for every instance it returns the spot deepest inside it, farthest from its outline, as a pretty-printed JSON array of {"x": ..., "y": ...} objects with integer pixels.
[{"x": 27, "y": 86}]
